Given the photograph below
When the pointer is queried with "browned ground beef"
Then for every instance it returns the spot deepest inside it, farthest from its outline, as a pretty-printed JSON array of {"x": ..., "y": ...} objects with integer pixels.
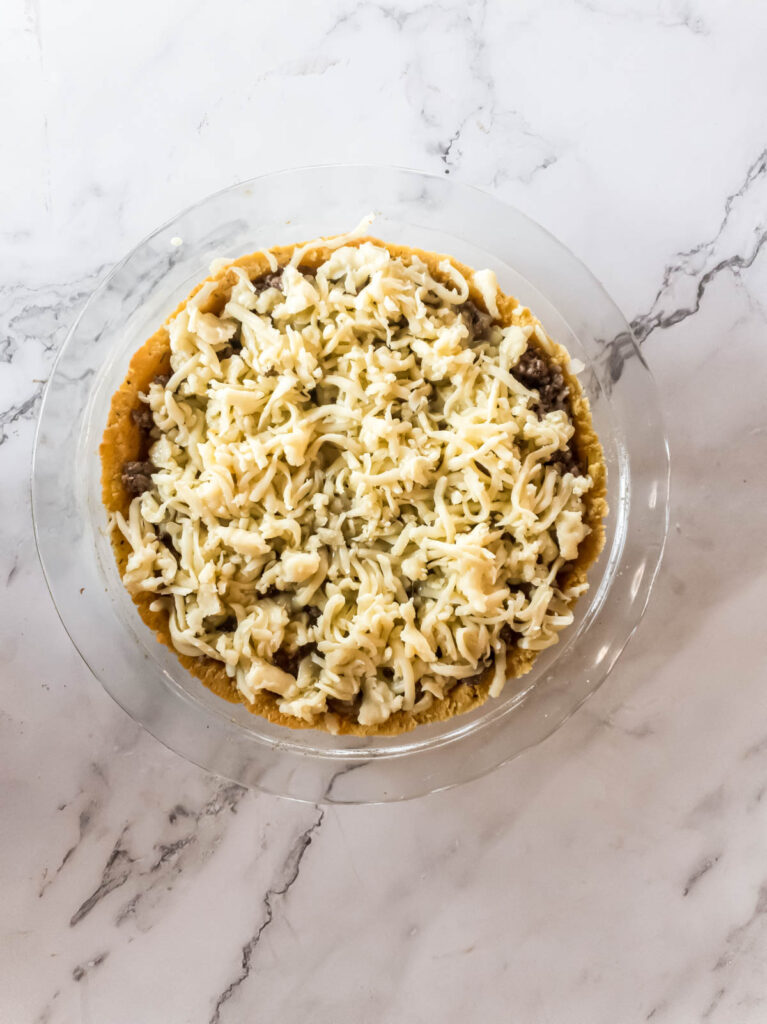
[
  {"x": 268, "y": 281},
  {"x": 477, "y": 321},
  {"x": 137, "y": 477},
  {"x": 538, "y": 374}
]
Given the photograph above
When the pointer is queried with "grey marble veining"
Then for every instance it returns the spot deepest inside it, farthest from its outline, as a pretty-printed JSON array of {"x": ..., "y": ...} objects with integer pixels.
[{"x": 619, "y": 871}]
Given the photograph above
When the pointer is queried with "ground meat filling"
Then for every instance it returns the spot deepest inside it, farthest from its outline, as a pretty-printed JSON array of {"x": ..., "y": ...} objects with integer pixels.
[
  {"x": 345, "y": 708},
  {"x": 537, "y": 374},
  {"x": 566, "y": 462},
  {"x": 289, "y": 661},
  {"x": 260, "y": 284},
  {"x": 136, "y": 477},
  {"x": 509, "y": 637},
  {"x": 477, "y": 320},
  {"x": 234, "y": 345},
  {"x": 268, "y": 281},
  {"x": 142, "y": 417},
  {"x": 533, "y": 369}
]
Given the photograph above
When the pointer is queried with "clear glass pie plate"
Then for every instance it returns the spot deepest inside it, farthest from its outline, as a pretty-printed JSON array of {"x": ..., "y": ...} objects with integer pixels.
[{"x": 70, "y": 523}]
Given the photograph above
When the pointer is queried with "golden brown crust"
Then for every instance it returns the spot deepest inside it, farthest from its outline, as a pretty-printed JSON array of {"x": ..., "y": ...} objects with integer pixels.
[{"x": 122, "y": 442}]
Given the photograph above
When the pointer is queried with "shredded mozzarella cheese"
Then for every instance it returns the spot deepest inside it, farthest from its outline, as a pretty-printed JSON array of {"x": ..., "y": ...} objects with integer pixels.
[{"x": 353, "y": 499}]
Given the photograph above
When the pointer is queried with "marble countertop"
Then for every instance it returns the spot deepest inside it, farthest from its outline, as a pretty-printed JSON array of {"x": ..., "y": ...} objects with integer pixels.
[{"x": 618, "y": 872}]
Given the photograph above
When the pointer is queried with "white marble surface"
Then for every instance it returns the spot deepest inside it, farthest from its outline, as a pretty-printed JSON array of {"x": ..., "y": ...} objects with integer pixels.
[{"x": 617, "y": 873}]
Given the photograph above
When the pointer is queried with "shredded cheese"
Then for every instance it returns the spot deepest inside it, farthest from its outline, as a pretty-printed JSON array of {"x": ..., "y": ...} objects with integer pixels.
[{"x": 354, "y": 504}]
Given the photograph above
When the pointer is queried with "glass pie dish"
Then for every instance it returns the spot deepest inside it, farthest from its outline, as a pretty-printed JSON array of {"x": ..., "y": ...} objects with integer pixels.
[{"x": 146, "y": 679}]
